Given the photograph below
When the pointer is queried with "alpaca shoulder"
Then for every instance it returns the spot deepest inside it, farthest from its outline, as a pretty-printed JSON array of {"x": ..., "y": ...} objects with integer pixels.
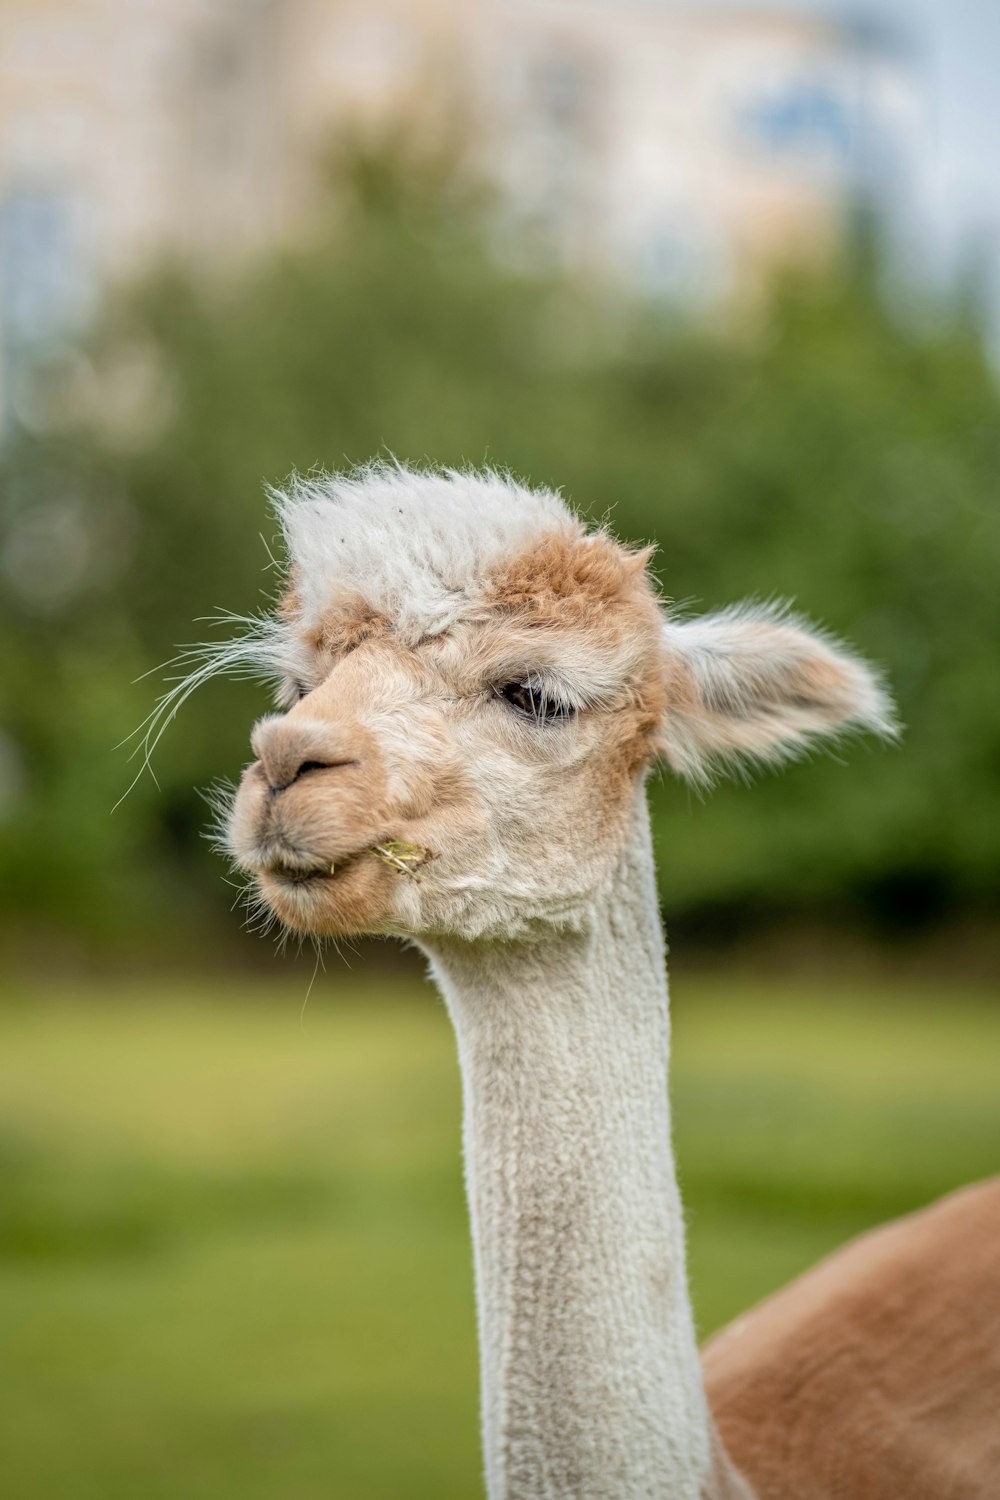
[{"x": 877, "y": 1374}]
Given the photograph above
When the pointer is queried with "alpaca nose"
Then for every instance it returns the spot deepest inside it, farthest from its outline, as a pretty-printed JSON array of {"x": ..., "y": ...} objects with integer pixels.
[{"x": 287, "y": 750}]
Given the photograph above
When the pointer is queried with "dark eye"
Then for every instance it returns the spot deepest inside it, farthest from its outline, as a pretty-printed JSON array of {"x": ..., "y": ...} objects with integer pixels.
[
  {"x": 530, "y": 699},
  {"x": 301, "y": 691}
]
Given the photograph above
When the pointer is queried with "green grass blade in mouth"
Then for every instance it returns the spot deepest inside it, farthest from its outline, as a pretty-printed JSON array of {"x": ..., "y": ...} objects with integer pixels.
[{"x": 402, "y": 857}]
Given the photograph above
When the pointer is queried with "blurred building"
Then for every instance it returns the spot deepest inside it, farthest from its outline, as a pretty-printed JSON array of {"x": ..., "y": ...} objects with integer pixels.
[
  {"x": 683, "y": 150},
  {"x": 691, "y": 150}
]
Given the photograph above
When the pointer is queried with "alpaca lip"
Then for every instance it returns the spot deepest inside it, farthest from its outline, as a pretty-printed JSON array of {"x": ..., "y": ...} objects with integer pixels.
[
  {"x": 401, "y": 857},
  {"x": 295, "y": 875},
  {"x": 292, "y": 871}
]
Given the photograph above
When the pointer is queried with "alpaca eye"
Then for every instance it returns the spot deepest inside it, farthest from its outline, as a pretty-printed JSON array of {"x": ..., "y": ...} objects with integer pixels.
[
  {"x": 530, "y": 699},
  {"x": 301, "y": 691}
]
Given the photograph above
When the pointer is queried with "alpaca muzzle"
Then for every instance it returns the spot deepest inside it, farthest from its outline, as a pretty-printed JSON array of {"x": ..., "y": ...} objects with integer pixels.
[{"x": 288, "y": 748}]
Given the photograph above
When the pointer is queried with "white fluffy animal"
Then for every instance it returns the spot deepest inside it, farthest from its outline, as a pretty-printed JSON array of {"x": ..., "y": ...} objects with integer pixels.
[{"x": 475, "y": 686}]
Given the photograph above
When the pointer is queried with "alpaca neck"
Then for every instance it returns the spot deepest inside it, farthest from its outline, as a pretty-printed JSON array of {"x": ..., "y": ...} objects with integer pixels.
[{"x": 591, "y": 1382}]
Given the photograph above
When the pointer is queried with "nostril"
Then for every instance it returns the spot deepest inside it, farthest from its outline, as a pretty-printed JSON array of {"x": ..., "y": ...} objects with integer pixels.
[
  {"x": 288, "y": 747},
  {"x": 291, "y": 774},
  {"x": 315, "y": 765}
]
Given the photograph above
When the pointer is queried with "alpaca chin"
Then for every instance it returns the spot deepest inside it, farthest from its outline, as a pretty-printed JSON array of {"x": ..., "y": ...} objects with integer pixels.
[
  {"x": 309, "y": 853},
  {"x": 356, "y": 898}
]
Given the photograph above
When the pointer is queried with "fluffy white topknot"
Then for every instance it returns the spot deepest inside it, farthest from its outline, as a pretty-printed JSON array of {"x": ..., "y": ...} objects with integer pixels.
[{"x": 416, "y": 545}]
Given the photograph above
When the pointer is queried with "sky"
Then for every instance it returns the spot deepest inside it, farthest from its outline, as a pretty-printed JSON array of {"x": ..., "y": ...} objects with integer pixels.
[{"x": 955, "y": 50}]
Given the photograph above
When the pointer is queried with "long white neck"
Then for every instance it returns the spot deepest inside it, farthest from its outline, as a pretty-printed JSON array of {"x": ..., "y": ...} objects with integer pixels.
[{"x": 591, "y": 1382}]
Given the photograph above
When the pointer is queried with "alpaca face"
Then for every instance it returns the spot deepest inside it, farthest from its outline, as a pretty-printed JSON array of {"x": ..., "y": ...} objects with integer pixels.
[
  {"x": 499, "y": 757},
  {"x": 474, "y": 685}
]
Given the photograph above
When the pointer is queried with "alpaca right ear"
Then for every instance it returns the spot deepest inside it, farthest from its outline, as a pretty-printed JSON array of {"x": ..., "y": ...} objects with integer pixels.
[{"x": 754, "y": 683}]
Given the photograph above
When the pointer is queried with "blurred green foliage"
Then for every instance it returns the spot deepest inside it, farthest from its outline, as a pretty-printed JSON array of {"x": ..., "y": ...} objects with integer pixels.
[
  {"x": 825, "y": 449},
  {"x": 234, "y": 1257}
]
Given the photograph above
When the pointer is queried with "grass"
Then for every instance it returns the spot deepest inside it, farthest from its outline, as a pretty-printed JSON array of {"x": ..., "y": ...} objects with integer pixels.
[{"x": 233, "y": 1255}]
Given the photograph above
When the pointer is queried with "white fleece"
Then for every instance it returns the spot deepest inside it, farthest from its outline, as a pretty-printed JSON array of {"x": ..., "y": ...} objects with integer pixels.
[
  {"x": 418, "y": 546},
  {"x": 591, "y": 1383}
]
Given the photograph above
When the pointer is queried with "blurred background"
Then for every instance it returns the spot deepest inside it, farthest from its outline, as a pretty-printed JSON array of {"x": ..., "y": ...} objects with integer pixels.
[{"x": 727, "y": 274}]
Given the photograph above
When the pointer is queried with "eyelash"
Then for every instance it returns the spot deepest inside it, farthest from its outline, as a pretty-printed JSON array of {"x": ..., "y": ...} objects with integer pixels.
[{"x": 529, "y": 699}]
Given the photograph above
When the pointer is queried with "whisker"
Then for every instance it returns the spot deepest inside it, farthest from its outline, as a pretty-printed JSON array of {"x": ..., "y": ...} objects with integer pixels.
[{"x": 260, "y": 651}]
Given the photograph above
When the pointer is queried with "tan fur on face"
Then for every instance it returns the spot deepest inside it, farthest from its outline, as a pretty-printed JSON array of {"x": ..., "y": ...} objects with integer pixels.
[
  {"x": 362, "y": 794},
  {"x": 342, "y": 627},
  {"x": 326, "y": 818},
  {"x": 532, "y": 814},
  {"x": 595, "y": 587},
  {"x": 566, "y": 578},
  {"x": 526, "y": 818},
  {"x": 345, "y": 626}
]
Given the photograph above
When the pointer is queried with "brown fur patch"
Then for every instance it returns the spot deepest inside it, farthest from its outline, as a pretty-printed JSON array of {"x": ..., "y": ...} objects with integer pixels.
[
  {"x": 876, "y": 1375},
  {"x": 345, "y": 626},
  {"x": 593, "y": 585},
  {"x": 340, "y": 628},
  {"x": 563, "y": 578}
]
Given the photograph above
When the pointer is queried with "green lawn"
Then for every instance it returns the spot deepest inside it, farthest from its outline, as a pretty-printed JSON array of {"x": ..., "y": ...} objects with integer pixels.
[{"x": 233, "y": 1255}]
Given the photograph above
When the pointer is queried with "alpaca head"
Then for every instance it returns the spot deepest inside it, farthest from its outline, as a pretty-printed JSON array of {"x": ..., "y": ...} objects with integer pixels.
[{"x": 473, "y": 685}]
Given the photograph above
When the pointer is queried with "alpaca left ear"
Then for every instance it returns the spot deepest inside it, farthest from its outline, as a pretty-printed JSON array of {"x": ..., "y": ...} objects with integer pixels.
[{"x": 754, "y": 683}]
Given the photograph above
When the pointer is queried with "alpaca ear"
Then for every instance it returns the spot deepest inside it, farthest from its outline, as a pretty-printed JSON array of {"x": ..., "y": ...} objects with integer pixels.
[{"x": 754, "y": 683}]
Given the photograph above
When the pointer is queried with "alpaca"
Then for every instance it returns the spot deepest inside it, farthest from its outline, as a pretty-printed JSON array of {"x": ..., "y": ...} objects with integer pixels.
[{"x": 474, "y": 687}]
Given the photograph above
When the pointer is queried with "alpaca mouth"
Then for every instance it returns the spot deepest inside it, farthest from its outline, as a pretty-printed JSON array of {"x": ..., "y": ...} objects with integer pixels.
[
  {"x": 290, "y": 873},
  {"x": 400, "y": 857},
  {"x": 295, "y": 874}
]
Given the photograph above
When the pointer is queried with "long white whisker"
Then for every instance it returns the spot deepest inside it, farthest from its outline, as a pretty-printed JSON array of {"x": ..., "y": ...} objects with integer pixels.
[{"x": 261, "y": 651}]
